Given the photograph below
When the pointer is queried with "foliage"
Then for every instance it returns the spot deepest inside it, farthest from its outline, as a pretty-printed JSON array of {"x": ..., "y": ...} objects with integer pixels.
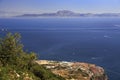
[
  {"x": 10, "y": 73},
  {"x": 44, "y": 74},
  {"x": 14, "y": 61}
]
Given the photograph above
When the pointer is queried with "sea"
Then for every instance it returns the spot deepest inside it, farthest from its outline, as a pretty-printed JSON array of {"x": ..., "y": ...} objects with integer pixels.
[{"x": 86, "y": 39}]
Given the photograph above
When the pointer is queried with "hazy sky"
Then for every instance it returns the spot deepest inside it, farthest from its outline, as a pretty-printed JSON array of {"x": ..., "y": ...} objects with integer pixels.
[{"x": 40, "y": 6}]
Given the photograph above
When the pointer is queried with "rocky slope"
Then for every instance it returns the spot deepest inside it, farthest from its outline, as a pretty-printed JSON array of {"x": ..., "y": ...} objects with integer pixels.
[{"x": 75, "y": 70}]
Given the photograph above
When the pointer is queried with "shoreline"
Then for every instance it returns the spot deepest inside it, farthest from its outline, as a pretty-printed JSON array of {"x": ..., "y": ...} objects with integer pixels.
[{"x": 74, "y": 70}]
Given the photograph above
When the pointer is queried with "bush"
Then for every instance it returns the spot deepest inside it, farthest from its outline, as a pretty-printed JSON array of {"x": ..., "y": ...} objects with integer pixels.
[
  {"x": 44, "y": 74},
  {"x": 15, "y": 61}
]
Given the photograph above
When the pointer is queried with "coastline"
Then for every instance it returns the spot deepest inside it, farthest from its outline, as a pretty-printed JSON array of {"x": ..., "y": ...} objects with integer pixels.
[{"x": 74, "y": 70}]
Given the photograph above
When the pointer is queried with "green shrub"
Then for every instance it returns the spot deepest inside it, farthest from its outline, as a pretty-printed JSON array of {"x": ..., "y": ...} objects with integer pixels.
[{"x": 15, "y": 61}]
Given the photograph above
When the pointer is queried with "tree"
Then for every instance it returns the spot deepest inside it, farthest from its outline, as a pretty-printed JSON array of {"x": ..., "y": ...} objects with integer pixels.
[
  {"x": 13, "y": 59},
  {"x": 11, "y": 51}
]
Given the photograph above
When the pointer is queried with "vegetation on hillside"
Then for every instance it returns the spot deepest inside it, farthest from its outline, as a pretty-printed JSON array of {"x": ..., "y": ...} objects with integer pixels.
[{"x": 16, "y": 64}]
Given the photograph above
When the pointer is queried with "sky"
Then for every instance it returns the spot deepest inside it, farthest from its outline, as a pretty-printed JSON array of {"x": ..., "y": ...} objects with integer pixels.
[{"x": 15, "y": 7}]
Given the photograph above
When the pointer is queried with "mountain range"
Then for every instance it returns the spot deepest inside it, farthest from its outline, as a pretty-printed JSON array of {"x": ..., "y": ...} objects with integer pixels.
[{"x": 67, "y": 13}]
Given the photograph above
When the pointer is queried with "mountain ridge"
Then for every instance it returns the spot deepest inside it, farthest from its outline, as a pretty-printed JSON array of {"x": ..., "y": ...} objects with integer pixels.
[{"x": 67, "y": 13}]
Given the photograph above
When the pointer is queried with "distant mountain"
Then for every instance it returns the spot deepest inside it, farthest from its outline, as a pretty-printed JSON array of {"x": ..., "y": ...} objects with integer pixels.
[{"x": 67, "y": 13}]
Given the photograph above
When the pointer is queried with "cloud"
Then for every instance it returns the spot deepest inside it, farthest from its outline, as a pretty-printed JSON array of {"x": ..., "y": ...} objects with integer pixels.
[
  {"x": 8, "y": 14},
  {"x": 2, "y": 12}
]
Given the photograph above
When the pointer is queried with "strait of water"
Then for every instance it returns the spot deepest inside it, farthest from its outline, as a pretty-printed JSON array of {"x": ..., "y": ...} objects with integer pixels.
[{"x": 92, "y": 40}]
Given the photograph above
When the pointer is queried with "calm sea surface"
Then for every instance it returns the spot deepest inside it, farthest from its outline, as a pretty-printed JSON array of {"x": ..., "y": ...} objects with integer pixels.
[{"x": 93, "y": 40}]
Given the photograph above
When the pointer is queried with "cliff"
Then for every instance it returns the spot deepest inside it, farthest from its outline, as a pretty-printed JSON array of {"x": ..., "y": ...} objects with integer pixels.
[{"x": 75, "y": 70}]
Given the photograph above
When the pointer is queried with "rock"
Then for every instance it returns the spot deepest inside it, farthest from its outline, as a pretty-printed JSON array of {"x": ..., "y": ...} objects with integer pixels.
[{"x": 75, "y": 70}]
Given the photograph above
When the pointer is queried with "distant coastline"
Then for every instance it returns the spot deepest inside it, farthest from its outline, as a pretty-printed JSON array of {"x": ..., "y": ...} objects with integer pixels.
[{"x": 67, "y": 13}]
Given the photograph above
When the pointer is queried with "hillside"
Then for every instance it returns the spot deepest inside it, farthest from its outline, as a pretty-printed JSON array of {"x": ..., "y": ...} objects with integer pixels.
[
  {"x": 17, "y": 64},
  {"x": 75, "y": 70}
]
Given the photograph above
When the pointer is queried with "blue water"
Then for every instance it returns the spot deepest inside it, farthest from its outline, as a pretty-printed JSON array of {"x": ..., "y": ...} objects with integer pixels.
[{"x": 93, "y": 40}]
